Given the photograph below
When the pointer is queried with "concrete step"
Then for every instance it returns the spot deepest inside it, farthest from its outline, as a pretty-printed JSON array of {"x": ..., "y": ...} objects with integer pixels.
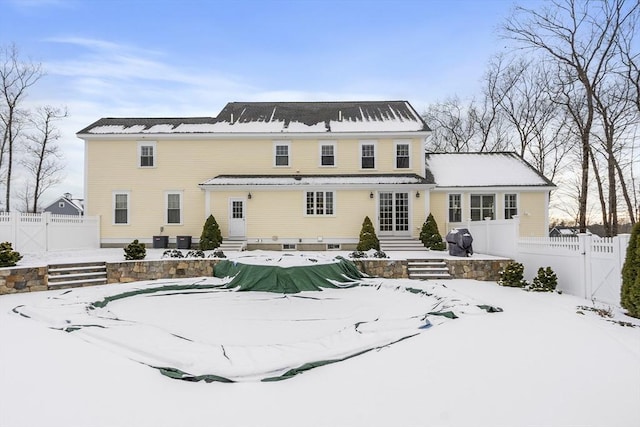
[
  {"x": 401, "y": 244},
  {"x": 233, "y": 245}
]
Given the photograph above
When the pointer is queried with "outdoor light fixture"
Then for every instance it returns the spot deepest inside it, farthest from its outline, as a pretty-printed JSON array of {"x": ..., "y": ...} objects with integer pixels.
[
  {"x": 249, "y": 196},
  {"x": 417, "y": 194},
  {"x": 371, "y": 195}
]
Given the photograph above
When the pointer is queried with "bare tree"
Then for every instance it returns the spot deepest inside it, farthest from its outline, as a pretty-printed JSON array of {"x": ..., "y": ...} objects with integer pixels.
[
  {"x": 581, "y": 38},
  {"x": 16, "y": 76},
  {"x": 43, "y": 158},
  {"x": 453, "y": 129}
]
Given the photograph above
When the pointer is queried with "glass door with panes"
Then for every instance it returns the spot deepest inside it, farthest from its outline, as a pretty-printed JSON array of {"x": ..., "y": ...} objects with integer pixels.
[{"x": 393, "y": 214}]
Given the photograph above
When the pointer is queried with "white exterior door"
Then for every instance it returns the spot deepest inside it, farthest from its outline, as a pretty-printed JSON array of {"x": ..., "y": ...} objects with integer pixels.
[
  {"x": 237, "y": 223},
  {"x": 393, "y": 214}
]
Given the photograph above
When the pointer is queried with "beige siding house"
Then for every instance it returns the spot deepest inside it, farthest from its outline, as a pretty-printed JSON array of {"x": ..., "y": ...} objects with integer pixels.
[{"x": 279, "y": 175}]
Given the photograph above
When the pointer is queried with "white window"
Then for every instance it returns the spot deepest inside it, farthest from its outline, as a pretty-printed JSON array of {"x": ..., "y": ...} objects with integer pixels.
[
  {"x": 147, "y": 154},
  {"x": 367, "y": 155},
  {"x": 173, "y": 207},
  {"x": 455, "y": 208},
  {"x": 61, "y": 204},
  {"x": 482, "y": 206},
  {"x": 403, "y": 155},
  {"x": 510, "y": 205},
  {"x": 333, "y": 246},
  {"x": 320, "y": 202},
  {"x": 288, "y": 246},
  {"x": 327, "y": 153},
  {"x": 121, "y": 207},
  {"x": 281, "y": 154}
]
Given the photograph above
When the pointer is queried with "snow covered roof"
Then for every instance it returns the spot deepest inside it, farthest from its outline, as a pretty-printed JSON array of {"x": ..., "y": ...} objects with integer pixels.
[
  {"x": 276, "y": 117},
  {"x": 313, "y": 180},
  {"x": 502, "y": 169}
]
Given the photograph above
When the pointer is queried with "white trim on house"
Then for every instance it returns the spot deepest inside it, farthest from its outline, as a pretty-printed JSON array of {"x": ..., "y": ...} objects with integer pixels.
[
  {"x": 334, "y": 144},
  {"x": 180, "y": 194},
  {"x": 397, "y": 142},
  {"x": 153, "y": 145},
  {"x": 277, "y": 144},
  {"x": 368, "y": 142},
  {"x": 114, "y": 193}
]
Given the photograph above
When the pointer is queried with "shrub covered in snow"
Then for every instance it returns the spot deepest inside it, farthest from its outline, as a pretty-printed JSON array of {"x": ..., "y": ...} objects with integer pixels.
[
  {"x": 135, "y": 250},
  {"x": 430, "y": 236},
  {"x": 368, "y": 238},
  {"x": 357, "y": 254},
  {"x": 545, "y": 281},
  {"x": 379, "y": 254},
  {"x": 8, "y": 257},
  {"x": 513, "y": 276},
  {"x": 195, "y": 254},
  {"x": 211, "y": 236},
  {"x": 630, "y": 293},
  {"x": 217, "y": 254},
  {"x": 172, "y": 253}
]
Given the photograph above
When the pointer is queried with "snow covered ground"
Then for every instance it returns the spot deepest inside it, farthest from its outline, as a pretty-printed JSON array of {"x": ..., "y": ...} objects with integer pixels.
[{"x": 543, "y": 361}]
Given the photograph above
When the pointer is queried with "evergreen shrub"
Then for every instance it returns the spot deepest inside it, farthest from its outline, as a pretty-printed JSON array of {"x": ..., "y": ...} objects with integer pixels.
[
  {"x": 430, "y": 236},
  {"x": 211, "y": 236},
  {"x": 8, "y": 257},
  {"x": 380, "y": 254},
  {"x": 135, "y": 250},
  {"x": 357, "y": 254},
  {"x": 512, "y": 276},
  {"x": 545, "y": 281},
  {"x": 218, "y": 254},
  {"x": 197, "y": 253},
  {"x": 172, "y": 253},
  {"x": 630, "y": 292},
  {"x": 368, "y": 238}
]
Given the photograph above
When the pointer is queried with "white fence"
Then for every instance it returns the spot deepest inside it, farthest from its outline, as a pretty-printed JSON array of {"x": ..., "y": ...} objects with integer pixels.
[
  {"x": 587, "y": 266},
  {"x": 47, "y": 232}
]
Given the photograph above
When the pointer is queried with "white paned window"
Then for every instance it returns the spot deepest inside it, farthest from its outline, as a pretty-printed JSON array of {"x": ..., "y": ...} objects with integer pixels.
[
  {"x": 367, "y": 155},
  {"x": 174, "y": 208},
  {"x": 327, "y": 154},
  {"x": 319, "y": 202},
  {"x": 147, "y": 154},
  {"x": 403, "y": 151},
  {"x": 455, "y": 208},
  {"x": 121, "y": 208},
  {"x": 482, "y": 206},
  {"x": 510, "y": 205},
  {"x": 281, "y": 152}
]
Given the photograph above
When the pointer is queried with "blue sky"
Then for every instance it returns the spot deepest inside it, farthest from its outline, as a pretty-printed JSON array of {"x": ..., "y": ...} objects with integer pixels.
[{"x": 189, "y": 58}]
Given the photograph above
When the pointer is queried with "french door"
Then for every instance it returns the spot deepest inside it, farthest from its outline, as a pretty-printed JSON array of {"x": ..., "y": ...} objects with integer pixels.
[{"x": 393, "y": 213}]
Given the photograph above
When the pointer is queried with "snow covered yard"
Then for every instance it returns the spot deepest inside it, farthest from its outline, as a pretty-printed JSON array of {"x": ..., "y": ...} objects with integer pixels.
[{"x": 542, "y": 361}]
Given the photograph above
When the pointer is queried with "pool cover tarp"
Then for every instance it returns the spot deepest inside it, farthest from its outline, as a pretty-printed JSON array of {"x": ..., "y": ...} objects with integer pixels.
[
  {"x": 205, "y": 329},
  {"x": 288, "y": 280}
]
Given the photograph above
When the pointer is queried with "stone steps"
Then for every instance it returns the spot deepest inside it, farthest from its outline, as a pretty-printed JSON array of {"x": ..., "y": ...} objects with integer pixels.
[
  {"x": 62, "y": 276},
  {"x": 428, "y": 269}
]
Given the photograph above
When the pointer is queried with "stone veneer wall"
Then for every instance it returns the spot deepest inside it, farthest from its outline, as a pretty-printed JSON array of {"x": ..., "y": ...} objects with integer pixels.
[
  {"x": 388, "y": 269},
  {"x": 488, "y": 270},
  {"x": 27, "y": 279},
  {"x": 31, "y": 279},
  {"x": 133, "y": 271}
]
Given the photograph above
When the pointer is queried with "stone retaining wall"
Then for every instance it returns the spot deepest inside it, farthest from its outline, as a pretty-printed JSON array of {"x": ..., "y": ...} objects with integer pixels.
[
  {"x": 27, "y": 279},
  {"x": 388, "y": 269},
  {"x": 31, "y": 279},
  {"x": 133, "y": 271},
  {"x": 487, "y": 270}
]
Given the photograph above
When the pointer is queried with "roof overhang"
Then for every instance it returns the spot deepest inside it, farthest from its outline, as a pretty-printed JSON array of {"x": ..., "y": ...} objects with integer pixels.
[
  {"x": 251, "y": 136},
  {"x": 290, "y": 182},
  {"x": 490, "y": 189}
]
